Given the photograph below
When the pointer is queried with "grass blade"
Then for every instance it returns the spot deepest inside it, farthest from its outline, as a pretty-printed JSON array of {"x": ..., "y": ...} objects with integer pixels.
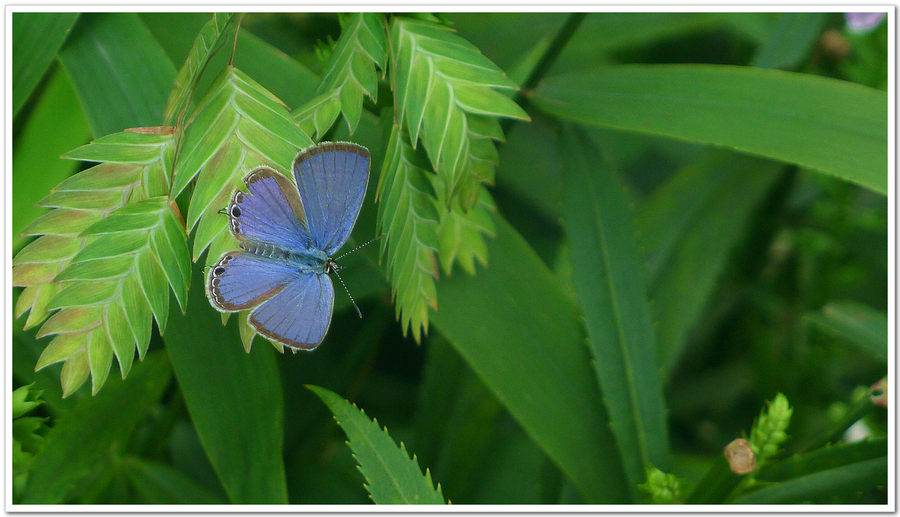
[
  {"x": 392, "y": 476},
  {"x": 611, "y": 291},
  {"x": 831, "y": 126}
]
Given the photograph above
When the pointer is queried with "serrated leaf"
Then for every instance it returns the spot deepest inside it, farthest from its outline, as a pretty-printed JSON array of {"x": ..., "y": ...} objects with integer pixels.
[
  {"x": 409, "y": 220},
  {"x": 392, "y": 476},
  {"x": 350, "y": 71},
  {"x": 236, "y": 118},
  {"x": 210, "y": 39},
  {"x": 440, "y": 80},
  {"x": 613, "y": 300}
]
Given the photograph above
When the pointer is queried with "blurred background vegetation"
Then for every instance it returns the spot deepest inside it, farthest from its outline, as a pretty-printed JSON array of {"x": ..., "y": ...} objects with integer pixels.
[{"x": 783, "y": 269}]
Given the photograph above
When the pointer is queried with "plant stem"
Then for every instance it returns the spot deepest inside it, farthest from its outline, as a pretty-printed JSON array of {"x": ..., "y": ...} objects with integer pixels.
[{"x": 563, "y": 35}]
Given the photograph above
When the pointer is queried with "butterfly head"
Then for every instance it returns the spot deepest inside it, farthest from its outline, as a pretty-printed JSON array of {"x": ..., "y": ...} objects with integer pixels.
[{"x": 331, "y": 266}]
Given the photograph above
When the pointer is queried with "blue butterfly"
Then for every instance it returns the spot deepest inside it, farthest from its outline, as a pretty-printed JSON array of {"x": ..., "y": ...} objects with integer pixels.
[{"x": 287, "y": 236}]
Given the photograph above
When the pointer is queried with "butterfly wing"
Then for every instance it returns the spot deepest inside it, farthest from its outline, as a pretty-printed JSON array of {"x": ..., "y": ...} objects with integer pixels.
[
  {"x": 242, "y": 280},
  {"x": 300, "y": 314},
  {"x": 332, "y": 179},
  {"x": 269, "y": 212}
]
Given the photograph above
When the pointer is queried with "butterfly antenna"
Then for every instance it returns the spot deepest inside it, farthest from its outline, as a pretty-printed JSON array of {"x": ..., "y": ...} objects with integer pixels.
[
  {"x": 360, "y": 246},
  {"x": 335, "y": 271}
]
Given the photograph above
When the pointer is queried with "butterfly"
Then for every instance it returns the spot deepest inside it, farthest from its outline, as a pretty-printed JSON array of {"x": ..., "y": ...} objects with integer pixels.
[{"x": 287, "y": 236}]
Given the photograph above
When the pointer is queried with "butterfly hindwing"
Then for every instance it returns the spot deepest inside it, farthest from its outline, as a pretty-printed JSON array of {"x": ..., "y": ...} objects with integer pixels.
[
  {"x": 270, "y": 211},
  {"x": 242, "y": 280},
  {"x": 300, "y": 314},
  {"x": 332, "y": 179}
]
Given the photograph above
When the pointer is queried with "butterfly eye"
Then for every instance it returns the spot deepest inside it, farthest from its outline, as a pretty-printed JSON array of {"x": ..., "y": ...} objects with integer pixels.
[{"x": 235, "y": 211}]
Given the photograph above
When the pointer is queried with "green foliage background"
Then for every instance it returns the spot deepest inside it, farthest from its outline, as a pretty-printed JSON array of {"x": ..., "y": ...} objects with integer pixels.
[{"x": 610, "y": 238}]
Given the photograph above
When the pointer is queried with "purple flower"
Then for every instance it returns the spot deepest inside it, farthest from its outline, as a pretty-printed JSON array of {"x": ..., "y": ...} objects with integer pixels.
[{"x": 861, "y": 23}]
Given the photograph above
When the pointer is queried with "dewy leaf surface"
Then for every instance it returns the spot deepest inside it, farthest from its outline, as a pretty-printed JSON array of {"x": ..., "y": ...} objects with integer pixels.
[
  {"x": 392, "y": 477},
  {"x": 611, "y": 290},
  {"x": 835, "y": 127}
]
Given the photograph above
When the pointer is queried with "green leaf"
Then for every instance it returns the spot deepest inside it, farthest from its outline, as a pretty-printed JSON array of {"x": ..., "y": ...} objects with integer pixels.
[
  {"x": 36, "y": 38},
  {"x": 96, "y": 424},
  {"x": 712, "y": 199},
  {"x": 124, "y": 147},
  {"x": 824, "y": 486},
  {"x": 211, "y": 38},
  {"x": 238, "y": 126},
  {"x": 350, "y": 72},
  {"x": 317, "y": 116},
  {"x": 831, "y": 126},
  {"x": 24, "y": 399},
  {"x": 392, "y": 477},
  {"x": 462, "y": 236},
  {"x": 244, "y": 443},
  {"x": 824, "y": 458},
  {"x": 158, "y": 483},
  {"x": 440, "y": 80},
  {"x": 857, "y": 324},
  {"x": 113, "y": 60},
  {"x": 409, "y": 221},
  {"x": 520, "y": 332},
  {"x": 44, "y": 136},
  {"x": 791, "y": 40},
  {"x": 104, "y": 275},
  {"x": 612, "y": 295}
]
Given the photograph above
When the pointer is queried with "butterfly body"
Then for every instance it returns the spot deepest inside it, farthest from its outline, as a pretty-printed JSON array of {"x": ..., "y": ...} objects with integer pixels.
[
  {"x": 306, "y": 261},
  {"x": 287, "y": 235}
]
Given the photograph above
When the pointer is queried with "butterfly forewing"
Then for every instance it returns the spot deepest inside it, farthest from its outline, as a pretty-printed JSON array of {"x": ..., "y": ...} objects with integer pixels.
[
  {"x": 270, "y": 211},
  {"x": 332, "y": 179},
  {"x": 299, "y": 315}
]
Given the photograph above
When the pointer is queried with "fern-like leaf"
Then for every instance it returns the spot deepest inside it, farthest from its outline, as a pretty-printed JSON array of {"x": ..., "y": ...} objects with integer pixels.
[
  {"x": 238, "y": 126},
  {"x": 392, "y": 477},
  {"x": 445, "y": 90},
  {"x": 350, "y": 71},
  {"x": 210, "y": 39},
  {"x": 105, "y": 258},
  {"x": 408, "y": 218},
  {"x": 461, "y": 234}
]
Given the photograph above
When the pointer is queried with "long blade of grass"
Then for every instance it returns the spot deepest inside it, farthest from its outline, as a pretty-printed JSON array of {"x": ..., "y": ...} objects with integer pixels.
[{"x": 832, "y": 126}]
